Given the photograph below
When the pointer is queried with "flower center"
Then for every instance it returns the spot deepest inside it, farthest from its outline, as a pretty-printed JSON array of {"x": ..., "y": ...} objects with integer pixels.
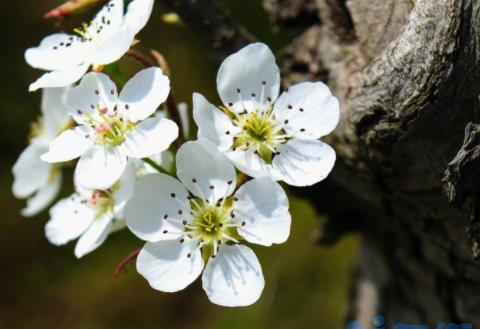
[
  {"x": 212, "y": 225},
  {"x": 102, "y": 201},
  {"x": 259, "y": 133},
  {"x": 110, "y": 129}
]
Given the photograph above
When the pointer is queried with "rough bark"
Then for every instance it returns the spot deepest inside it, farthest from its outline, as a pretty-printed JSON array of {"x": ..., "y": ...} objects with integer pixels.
[
  {"x": 407, "y": 76},
  {"x": 408, "y": 83}
]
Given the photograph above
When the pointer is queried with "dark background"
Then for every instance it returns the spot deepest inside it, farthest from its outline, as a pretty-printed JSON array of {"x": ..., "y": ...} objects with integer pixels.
[{"x": 43, "y": 286}]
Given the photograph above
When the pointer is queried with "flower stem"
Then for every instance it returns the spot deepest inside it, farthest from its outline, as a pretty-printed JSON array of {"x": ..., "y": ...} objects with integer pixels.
[
  {"x": 155, "y": 165},
  {"x": 121, "y": 266}
]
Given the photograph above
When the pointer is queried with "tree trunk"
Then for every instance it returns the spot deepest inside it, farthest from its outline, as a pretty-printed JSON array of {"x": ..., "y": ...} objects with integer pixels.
[{"x": 408, "y": 77}]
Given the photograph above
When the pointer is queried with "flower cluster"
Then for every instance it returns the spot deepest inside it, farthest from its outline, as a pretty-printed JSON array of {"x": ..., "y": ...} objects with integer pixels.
[{"x": 199, "y": 205}]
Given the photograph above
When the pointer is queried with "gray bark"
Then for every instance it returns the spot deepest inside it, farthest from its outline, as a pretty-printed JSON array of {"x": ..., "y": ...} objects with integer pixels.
[{"x": 408, "y": 82}]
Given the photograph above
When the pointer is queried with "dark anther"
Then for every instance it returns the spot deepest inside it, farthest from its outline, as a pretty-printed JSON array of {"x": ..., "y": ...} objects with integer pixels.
[
  {"x": 172, "y": 195},
  {"x": 97, "y": 92},
  {"x": 243, "y": 223},
  {"x": 180, "y": 211},
  {"x": 229, "y": 182},
  {"x": 285, "y": 122},
  {"x": 211, "y": 187},
  {"x": 165, "y": 231},
  {"x": 289, "y": 107},
  {"x": 165, "y": 216},
  {"x": 184, "y": 222},
  {"x": 194, "y": 180},
  {"x": 238, "y": 90}
]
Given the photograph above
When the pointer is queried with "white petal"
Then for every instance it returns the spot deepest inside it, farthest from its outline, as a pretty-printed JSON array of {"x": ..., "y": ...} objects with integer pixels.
[
  {"x": 55, "y": 110},
  {"x": 248, "y": 70},
  {"x": 124, "y": 190},
  {"x": 60, "y": 78},
  {"x": 94, "y": 236},
  {"x": 310, "y": 108},
  {"x": 212, "y": 123},
  {"x": 29, "y": 172},
  {"x": 44, "y": 196},
  {"x": 151, "y": 136},
  {"x": 144, "y": 93},
  {"x": 58, "y": 52},
  {"x": 69, "y": 218},
  {"x": 69, "y": 145},
  {"x": 114, "y": 48},
  {"x": 234, "y": 277},
  {"x": 138, "y": 13},
  {"x": 205, "y": 171},
  {"x": 304, "y": 162},
  {"x": 154, "y": 208},
  {"x": 250, "y": 163},
  {"x": 106, "y": 22},
  {"x": 170, "y": 265},
  {"x": 263, "y": 206},
  {"x": 94, "y": 92},
  {"x": 100, "y": 167}
]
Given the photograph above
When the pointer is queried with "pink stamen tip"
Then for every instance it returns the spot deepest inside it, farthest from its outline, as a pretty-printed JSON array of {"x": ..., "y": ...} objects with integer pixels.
[{"x": 102, "y": 128}]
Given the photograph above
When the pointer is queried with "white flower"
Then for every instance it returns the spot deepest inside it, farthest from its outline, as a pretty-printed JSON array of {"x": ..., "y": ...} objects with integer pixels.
[
  {"x": 261, "y": 134},
  {"x": 113, "y": 127},
  {"x": 197, "y": 221},
  {"x": 103, "y": 41},
  {"x": 90, "y": 215},
  {"x": 34, "y": 179}
]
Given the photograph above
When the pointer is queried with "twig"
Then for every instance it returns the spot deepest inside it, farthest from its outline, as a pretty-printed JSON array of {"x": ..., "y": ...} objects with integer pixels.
[
  {"x": 139, "y": 57},
  {"x": 121, "y": 266},
  {"x": 170, "y": 102},
  {"x": 69, "y": 8},
  {"x": 221, "y": 33}
]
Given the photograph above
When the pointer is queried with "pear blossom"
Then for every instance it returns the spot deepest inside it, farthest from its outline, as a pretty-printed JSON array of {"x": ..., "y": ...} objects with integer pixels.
[
  {"x": 37, "y": 181},
  {"x": 112, "y": 128},
  {"x": 201, "y": 223},
  {"x": 90, "y": 215},
  {"x": 264, "y": 134},
  {"x": 67, "y": 57}
]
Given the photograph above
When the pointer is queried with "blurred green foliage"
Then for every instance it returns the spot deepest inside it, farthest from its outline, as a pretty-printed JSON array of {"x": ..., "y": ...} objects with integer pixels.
[{"x": 43, "y": 286}]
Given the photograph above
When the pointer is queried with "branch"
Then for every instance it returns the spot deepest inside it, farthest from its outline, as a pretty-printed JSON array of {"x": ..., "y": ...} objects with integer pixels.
[{"x": 221, "y": 33}]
